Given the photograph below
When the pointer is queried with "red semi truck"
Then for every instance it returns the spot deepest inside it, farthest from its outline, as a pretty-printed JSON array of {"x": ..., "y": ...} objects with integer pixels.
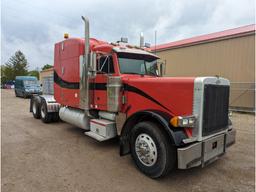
[{"x": 116, "y": 90}]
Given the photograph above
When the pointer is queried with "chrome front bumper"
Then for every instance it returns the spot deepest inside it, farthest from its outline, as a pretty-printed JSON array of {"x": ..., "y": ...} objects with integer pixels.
[{"x": 205, "y": 152}]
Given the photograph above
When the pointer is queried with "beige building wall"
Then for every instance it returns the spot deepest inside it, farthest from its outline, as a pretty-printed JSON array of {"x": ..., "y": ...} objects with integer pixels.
[
  {"x": 45, "y": 73},
  {"x": 232, "y": 58}
]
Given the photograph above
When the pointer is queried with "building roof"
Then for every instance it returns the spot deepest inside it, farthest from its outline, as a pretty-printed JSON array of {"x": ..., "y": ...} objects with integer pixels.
[{"x": 230, "y": 33}]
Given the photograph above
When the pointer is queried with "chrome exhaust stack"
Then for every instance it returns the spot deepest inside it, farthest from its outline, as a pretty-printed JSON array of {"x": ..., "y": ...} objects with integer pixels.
[
  {"x": 84, "y": 69},
  {"x": 141, "y": 40}
]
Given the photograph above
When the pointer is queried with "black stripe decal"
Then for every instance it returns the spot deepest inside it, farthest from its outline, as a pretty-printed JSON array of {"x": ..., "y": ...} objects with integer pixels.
[
  {"x": 98, "y": 86},
  {"x": 140, "y": 92},
  {"x": 65, "y": 84},
  {"x": 102, "y": 86},
  {"x": 75, "y": 85}
]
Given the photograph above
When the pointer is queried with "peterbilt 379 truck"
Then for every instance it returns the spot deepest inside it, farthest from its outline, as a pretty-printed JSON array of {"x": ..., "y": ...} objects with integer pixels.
[{"x": 117, "y": 90}]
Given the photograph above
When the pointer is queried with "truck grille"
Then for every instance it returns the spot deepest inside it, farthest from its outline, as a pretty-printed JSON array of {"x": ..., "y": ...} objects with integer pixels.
[{"x": 215, "y": 112}]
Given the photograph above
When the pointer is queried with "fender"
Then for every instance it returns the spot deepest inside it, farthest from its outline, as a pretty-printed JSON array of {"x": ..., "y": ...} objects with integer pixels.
[
  {"x": 52, "y": 105},
  {"x": 176, "y": 135}
]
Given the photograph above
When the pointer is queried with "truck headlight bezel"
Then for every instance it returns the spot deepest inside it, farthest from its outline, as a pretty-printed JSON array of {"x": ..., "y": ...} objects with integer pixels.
[{"x": 183, "y": 121}]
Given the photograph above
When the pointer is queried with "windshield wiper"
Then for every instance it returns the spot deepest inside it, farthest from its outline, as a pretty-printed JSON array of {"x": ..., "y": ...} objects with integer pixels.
[{"x": 152, "y": 74}]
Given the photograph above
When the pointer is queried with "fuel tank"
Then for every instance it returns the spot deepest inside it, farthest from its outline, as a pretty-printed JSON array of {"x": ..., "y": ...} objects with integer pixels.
[{"x": 75, "y": 117}]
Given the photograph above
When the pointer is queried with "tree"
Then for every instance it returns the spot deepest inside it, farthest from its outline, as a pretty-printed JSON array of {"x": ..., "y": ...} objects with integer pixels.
[
  {"x": 34, "y": 73},
  {"x": 3, "y": 77},
  {"x": 17, "y": 65},
  {"x": 47, "y": 66}
]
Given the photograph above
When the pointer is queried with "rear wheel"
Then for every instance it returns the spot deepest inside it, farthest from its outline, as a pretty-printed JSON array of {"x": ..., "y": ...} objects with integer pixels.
[
  {"x": 45, "y": 116},
  {"x": 151, "y": 150},
  {"x": 36, "y": 109},
  {"x": 55, "y": 117}
]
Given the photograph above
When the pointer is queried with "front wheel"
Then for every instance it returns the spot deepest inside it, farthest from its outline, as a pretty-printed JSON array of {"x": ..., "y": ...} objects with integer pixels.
[{"x": 151, "y": 150}]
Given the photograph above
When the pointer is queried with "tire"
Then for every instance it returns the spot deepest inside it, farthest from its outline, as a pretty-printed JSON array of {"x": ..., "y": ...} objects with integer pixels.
[
  {"x": 24, "y": 95},
  {"x": 148, "y": 138},
  {"x": 45, "y": 116},
  {"x": 55, "y": 117},
  {"x": 35, "y": 109}
]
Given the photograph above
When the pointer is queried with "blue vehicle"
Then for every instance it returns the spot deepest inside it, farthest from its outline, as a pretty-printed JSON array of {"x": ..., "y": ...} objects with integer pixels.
[{"x": 26, "y": 86}]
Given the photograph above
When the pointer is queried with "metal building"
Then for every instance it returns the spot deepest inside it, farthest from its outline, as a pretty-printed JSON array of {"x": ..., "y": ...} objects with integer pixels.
[
  {"x": 46, "y": 79},
  {"x": 230, "y": 54}
]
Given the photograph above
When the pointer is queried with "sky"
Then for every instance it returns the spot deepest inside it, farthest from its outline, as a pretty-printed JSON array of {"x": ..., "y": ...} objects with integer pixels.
[{"x": 35, "y": 26}]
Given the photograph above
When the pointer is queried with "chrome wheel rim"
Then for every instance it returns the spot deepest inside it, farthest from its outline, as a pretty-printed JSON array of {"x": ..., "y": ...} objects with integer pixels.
[
  {"x": 145, "y": 149},
  {"x": 42, "y": 111},
  {"x": 34, "y": 108}
]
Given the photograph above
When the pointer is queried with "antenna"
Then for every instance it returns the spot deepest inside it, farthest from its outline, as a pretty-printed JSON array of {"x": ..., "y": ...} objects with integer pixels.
[{"x": 155, "y": 40}]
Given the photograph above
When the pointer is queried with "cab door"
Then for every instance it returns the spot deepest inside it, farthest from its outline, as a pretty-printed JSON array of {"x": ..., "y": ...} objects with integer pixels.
[{"x": 105, "y": 68}]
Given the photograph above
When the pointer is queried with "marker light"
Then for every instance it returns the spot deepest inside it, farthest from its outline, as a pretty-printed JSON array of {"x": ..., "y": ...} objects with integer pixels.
[
  {"x": 147, "y": 45},
  {"x": 124, "y": 39},
  {"x": 66, "y": 36},
  {"x": 183, "y": 121}
]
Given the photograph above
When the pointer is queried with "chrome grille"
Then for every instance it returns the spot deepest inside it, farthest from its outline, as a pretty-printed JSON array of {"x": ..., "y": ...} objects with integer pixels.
[{"x": 215, "y": 110}]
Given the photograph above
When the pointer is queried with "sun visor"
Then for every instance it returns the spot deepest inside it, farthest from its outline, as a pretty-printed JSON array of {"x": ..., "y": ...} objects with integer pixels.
[{"x": 127, "y": 51}]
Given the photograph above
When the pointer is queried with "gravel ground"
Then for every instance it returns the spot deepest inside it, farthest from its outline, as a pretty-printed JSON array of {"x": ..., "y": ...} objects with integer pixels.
[{"x": 59, "y": 157}]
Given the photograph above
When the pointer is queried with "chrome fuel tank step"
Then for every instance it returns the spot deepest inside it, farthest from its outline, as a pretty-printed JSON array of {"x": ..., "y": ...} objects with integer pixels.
[{"x": 101, "y": 129}]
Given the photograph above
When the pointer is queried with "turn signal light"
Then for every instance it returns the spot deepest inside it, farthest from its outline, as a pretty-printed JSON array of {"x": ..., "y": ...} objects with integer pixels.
[{"x": 175, "y": 121}]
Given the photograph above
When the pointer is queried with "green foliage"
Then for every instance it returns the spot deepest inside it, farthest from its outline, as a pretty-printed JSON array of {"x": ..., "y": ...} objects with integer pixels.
[
  {"x": 34, "y": 73},
  {"x": 3, "y": 76},
  {"x": 47, "y": 66},
  {"x": 17, "y": 65}
]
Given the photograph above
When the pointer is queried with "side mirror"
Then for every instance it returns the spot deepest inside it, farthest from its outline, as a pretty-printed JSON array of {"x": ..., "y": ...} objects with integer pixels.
[{"x": 162, "y": 68}]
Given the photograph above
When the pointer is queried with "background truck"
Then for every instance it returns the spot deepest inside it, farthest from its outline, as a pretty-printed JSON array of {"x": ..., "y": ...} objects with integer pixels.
[{"x": 116, "y": 90}]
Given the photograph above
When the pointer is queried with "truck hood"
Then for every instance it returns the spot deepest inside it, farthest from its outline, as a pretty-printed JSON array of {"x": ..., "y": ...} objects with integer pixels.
[{"x": 173, "y": 95}]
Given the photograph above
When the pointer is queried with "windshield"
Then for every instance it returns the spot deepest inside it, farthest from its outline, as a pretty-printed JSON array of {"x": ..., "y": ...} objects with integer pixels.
[
  {"x": 137, "y": 64},
  {"x": 30, "y": 82}
]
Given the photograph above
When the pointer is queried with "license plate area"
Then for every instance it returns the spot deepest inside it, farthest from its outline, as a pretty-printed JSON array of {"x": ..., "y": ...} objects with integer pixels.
[{"x": 213, "y": 147}]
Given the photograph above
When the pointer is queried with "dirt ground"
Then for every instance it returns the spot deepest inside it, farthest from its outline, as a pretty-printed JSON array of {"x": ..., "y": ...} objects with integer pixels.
[{"x": 59, "y": 157}]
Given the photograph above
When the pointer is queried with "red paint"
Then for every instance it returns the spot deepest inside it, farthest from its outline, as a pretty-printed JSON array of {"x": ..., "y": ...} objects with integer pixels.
[
  {"x": 176, "y": 94},
  {"x": 171, "y": 95},
  {"x": 66, "y": 65}
]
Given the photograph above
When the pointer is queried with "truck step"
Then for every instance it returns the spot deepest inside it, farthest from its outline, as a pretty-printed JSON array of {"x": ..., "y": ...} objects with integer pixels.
[
  {"x": 102, "y": 129},
  {"x": 95, "y": 136}
]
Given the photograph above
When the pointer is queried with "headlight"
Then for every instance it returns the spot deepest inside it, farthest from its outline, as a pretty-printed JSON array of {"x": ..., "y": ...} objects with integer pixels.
[
  {"x": 183, "y": 121},
  {"x": 27, "y": 90}
]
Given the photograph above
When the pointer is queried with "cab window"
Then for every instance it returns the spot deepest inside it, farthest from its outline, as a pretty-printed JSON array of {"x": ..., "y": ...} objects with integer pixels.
[{"x": 105, "y": 64}]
